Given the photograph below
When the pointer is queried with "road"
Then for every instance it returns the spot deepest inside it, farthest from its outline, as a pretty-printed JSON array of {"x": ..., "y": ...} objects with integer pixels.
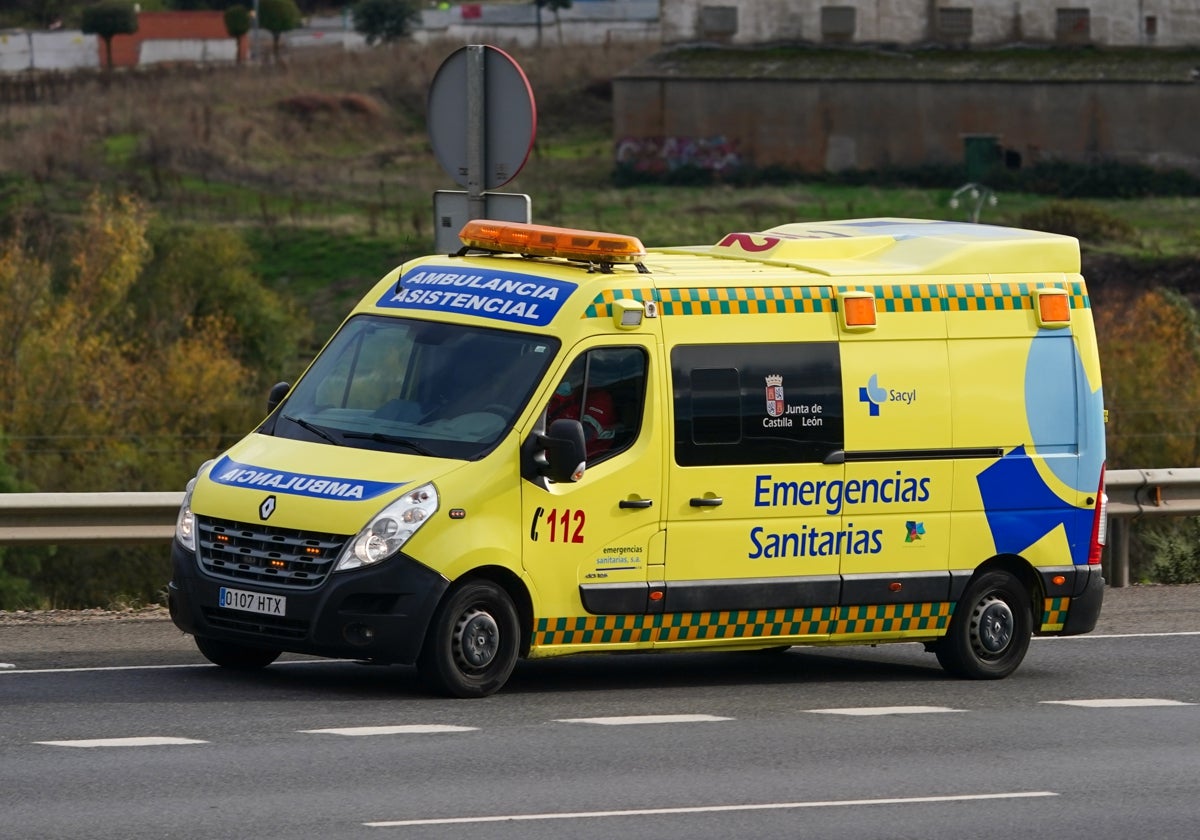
[{"x": 1095, "y": 737}]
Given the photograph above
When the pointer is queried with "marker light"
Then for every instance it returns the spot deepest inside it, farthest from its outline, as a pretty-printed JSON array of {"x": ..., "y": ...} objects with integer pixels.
[
  {"x": 545, "y": 241},
  {"x": 858, "y": 309},
  {"x": 1053, "y": 307}
]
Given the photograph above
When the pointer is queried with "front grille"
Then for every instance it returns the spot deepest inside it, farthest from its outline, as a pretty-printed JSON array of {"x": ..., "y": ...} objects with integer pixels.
[
  {"x": 281, "y": 557},
  {"x": 260, "y": 625}
]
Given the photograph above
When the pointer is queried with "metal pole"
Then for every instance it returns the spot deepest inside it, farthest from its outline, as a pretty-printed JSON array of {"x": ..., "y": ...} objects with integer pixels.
[
  {"x": 476, "y": 103},
  {"x": 254, "y": 37}
]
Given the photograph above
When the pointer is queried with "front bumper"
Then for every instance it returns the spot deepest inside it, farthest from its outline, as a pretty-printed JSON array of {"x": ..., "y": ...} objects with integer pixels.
[{"x": 378, "y": 614}]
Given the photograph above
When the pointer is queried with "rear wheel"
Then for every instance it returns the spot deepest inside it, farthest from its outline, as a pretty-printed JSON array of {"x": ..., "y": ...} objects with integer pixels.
[
  {"x": 990, "y": 631},
  {"x": 236, "y": 656},
  {"x": 473, "y": 641}
]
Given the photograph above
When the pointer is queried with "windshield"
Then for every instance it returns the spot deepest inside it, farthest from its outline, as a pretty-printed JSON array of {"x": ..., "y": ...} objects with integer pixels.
[{"x": 428, "y": 388}]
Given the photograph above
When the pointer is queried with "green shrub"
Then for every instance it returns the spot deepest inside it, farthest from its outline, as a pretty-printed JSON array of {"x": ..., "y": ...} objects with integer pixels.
[
  {"x": 1174, "y": 551},
  {"x": 1083, "y": 221}
]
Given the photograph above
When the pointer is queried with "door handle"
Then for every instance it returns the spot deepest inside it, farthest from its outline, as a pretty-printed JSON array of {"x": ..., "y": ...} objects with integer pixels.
[
  {"x": 707, "y": 501},
  {"x": 635, "y": 503}
]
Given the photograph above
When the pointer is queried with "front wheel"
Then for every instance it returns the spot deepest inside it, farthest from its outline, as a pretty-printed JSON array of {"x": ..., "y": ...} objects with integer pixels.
[
  {"x": 235, "y": 656},
  {"x": 473, "y": 641},
  {"x": 990, "y": 631}
]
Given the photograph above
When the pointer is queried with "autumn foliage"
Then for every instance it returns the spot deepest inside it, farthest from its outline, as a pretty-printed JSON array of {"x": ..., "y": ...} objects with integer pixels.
[
  {"x": 1150, "y": 357},
  {"x": 126, "y": 360},
  {"x": 125, "y": 364}
]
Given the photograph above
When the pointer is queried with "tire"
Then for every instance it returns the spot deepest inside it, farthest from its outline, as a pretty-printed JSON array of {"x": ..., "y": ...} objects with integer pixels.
[
  {"x": 473, "y": 641},
  {"x": 236, "y": 656},
  {"x": 990, "y": 631}
]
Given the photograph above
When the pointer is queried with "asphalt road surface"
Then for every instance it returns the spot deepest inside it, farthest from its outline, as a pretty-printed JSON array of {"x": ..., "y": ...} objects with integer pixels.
[{"x": 117, "y": 729}]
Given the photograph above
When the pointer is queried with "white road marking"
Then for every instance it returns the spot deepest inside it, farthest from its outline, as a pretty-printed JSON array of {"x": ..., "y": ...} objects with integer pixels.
[
  {"x": 161, "y": 667},
  {"x": 145, "y": 741},
  {"x": 1087, "y": 636},
  {"x": 633, "y": 720},
  {"x": 407, "y": 729},
  {"x": 1117, "y": 702},
  {"x": 713, "y": 809},
  {"x": 885, "y": 710},
  {"x": 6, "y": 665}
]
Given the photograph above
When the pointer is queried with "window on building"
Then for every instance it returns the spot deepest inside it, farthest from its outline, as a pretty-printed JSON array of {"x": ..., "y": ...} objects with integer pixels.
[
  {"x": 954, "y": 24},
  {"x": 1073, "y": 26},
  {"x": 1151, "y": 27},
  {"x": 838, "y": 23},
  {"x": 718, "y": 22}
]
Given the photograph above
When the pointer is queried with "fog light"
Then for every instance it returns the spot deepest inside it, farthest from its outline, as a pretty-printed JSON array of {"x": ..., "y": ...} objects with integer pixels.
[{"x": 359, "y": 634}]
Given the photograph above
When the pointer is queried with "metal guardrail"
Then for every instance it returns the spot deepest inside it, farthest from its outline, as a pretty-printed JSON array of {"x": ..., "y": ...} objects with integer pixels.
[
  {"x": 61, "y": 518},
  {"x": 1133, "y": 494}
]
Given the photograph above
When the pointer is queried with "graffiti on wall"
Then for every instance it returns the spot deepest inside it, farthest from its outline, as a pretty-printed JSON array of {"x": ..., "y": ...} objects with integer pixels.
[{"x": 658, "y": 155}]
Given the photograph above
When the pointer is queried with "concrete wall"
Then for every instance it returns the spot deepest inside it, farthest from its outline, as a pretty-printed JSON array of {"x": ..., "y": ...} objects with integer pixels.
[
  {"x": 1164, "y": 23},
  {"x": 21, "y": 51},
  {"x": 832, "y": 125}
]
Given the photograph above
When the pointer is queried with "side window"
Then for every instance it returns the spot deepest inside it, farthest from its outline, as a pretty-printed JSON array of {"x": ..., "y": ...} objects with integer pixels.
[
  {"x": 605, "y": 390},
  {"x": 757, "y": 403}
]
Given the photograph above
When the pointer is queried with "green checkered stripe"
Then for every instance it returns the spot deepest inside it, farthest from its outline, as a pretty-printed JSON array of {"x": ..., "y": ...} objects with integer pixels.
[
  {"x": 595, "y": 629},
  {"x": 743, "y": 624},
  {"x": 1054, "y": 614},
  {"x": 736, "y": 300},
  {"x": 602, "y": 305},
  {"x": 766, "y": 300},
  {"x": 971, "y": 297},
  {"x": 908, "y": 297}
]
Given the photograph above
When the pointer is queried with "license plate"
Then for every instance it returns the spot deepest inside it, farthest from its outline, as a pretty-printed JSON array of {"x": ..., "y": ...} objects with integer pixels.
[{"x": 255, "y": 602}]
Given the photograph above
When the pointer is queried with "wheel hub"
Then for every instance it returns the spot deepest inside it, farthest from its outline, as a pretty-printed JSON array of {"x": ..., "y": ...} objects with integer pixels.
[
  {"x": 476, "y": 639},
  {"x": 992, "y": 626}
]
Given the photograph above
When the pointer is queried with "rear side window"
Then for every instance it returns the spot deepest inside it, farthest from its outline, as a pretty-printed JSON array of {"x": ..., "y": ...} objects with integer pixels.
[{"x": 757, "y": 403}]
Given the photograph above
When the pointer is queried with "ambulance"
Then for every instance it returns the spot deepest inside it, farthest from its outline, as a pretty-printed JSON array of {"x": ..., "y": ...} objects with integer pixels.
[{"x": 558, "y": 441}]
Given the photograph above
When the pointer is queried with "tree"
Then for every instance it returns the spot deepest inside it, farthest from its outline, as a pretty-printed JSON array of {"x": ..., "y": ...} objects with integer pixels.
[
  {"x": 237, "y": 24},
  {"x": 108, "y": 19},
  {"x": 385, "y": 20},
  {"x": 277, "y": 17},
  {"x": 1150, "y": 356},
  {"x": 554, "y": 6}
]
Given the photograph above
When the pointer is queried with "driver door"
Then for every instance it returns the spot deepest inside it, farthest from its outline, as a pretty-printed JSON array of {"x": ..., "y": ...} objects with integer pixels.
[{"x": 591, "y": 546}]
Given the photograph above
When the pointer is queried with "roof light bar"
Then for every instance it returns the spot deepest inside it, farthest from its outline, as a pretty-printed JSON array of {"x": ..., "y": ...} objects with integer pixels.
[{"x": 545, "y": 241}]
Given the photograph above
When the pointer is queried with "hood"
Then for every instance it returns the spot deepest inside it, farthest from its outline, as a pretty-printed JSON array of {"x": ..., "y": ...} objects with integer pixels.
[{"x": 311, "y": 486}]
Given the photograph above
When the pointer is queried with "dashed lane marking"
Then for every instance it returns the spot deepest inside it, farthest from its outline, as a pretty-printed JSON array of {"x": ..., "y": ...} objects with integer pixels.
[
  {"x": 1117, "y": 702},
  {"x": 871, "y": 711},
  {"x": 407, "y": 729},
  {"x": 145, "y": 741},
  {"x": 634, "y": 720}
]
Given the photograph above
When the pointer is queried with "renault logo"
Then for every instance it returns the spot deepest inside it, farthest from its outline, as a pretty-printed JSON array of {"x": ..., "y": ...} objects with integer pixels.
[{"x": 266, "y": 508}]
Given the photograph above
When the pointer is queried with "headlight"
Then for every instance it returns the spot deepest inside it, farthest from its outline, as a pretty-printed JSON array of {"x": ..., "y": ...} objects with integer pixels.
[
  {"x": 389, "y": 529},
  {"x": 185, "y": 523}
]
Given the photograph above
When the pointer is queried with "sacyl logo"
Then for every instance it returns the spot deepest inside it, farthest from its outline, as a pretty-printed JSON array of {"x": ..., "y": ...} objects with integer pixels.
[
  {"x": 266, "y": 508},
  {"x": 875, "y": 396}
]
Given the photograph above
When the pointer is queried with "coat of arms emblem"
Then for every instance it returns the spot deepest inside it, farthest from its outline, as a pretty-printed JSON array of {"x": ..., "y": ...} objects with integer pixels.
[{"x": 775, "y": 395}]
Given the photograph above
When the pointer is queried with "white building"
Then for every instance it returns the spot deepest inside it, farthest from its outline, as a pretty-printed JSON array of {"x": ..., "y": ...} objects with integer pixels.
[{"x": 1117, "y": 23}]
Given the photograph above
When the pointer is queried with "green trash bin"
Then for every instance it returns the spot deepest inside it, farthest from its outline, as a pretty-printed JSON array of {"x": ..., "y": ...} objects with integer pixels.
[{"x": 981, "y": 152}]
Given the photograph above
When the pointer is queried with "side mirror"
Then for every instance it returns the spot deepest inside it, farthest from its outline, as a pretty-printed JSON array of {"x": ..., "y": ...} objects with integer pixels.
[
  {"x": 278, "y": 392},
  {"x": 566, "y": 451}
]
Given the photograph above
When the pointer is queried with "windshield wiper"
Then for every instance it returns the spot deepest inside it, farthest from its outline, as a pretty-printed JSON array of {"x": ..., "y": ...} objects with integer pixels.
[
  {"x": 380, "y": 437},
  {"x": 315, "y": 429}
]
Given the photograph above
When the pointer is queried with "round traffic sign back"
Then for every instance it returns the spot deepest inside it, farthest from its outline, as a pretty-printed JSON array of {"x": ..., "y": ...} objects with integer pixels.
[{"x": 508, "y": 117}]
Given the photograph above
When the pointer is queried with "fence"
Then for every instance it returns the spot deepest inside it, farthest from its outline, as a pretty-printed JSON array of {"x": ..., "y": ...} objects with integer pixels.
[{"x": 63, "y": 518}]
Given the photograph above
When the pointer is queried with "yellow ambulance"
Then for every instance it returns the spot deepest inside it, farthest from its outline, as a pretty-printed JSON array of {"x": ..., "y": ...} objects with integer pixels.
[{"x": 558, "y": 441}]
